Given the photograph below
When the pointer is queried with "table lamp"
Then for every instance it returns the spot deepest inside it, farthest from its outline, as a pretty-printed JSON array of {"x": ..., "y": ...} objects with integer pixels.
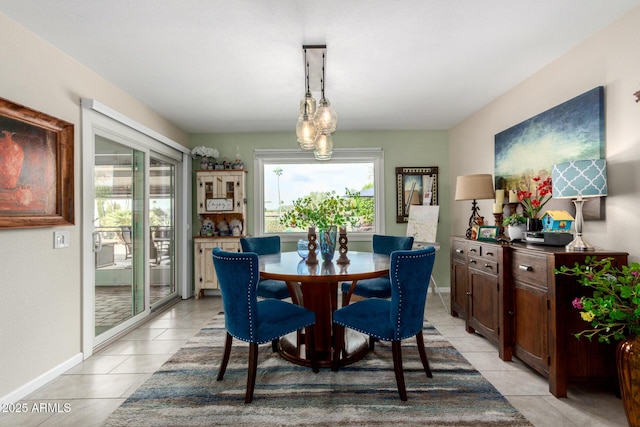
[
  {"x": 474, "y": 187},
  {"x": 579, "y": 179}
]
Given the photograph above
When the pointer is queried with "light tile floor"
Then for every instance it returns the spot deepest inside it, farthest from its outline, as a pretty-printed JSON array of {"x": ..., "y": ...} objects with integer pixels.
[{"x": 95, "y": 388}]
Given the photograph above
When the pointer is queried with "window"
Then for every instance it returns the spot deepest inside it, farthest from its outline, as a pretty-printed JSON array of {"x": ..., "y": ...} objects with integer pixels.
[{"x": 283, "y": 176}]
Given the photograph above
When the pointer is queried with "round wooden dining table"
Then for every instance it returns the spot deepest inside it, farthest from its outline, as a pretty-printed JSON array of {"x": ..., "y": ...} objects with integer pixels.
[{"x": 315, "y": 287}]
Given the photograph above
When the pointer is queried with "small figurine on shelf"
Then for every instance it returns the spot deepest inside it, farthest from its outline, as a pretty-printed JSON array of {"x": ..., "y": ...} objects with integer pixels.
[
  {"x": 207, "y": 228},
  {"x": 235, "y": 227},
  {"x": 237, "y": 164},
  {"x": 223, "y": 228}
]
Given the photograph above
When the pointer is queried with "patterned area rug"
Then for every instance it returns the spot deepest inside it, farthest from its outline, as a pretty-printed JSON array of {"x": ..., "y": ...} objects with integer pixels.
[{"x": 184, "y": 391}]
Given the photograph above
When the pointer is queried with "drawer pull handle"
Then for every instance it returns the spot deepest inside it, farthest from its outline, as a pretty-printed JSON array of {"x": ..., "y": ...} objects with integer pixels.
[
  {"x": 487, "y": 265},
  {"x": 525, "y": 267},
  {"x": 459, "y": 251},
  {"x": 472, "y": 261},
  {"x": 490, "y": 253},
  {"x": 472, "y": 250}
]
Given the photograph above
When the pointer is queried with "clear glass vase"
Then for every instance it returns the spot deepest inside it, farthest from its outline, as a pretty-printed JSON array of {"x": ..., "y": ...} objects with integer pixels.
[{"x": 303, "y": 249}]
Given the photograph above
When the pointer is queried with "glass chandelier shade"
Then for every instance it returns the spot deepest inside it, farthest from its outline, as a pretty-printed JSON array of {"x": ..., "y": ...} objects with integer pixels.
[
  {"x": 306, "y": 132},
  {"x": 324, "y": 147},
  {"x": 325, "y": 117},
  {"x": 308, "y": 105},
  {"x": 306, "y": 129},
  {"x": 316, "y": 124}
]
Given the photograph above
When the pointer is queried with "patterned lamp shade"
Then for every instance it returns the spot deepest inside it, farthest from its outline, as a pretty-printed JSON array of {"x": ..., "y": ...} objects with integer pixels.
[
  {"x": 582, "y": 178},
  {"x": 579, "y": 179}
]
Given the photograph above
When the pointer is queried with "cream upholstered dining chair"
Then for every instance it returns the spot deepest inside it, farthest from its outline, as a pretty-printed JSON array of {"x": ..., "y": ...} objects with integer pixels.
[
  {"x": 396, "y": 319},
  {"x": 253, "y": 321}
]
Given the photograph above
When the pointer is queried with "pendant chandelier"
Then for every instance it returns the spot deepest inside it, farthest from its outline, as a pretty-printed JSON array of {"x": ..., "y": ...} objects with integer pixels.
[{"x": 316, "y": 124}]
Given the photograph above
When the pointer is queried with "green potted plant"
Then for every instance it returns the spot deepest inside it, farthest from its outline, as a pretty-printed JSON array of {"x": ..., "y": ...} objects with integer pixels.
[
  {"x": 516, "y": 225},
  {"x": 613, "y": 313},
  {"x": 325, "y": 213}
]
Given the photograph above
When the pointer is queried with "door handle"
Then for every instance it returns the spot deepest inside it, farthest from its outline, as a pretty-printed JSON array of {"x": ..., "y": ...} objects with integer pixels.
[{"x": 97, "y": 241}]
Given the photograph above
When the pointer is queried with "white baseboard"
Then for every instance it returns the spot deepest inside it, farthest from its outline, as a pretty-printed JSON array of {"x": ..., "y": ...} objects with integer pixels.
[{"x": 43, "y": 379}]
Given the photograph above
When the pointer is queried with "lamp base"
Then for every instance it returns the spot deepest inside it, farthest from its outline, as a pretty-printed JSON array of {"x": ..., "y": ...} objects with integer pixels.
[
  {"x": 472, "y": 219},
  {"x": 579, "y": 245}
]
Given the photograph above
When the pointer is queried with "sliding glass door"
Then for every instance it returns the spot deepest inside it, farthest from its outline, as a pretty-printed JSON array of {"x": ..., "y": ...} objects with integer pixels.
[
  {"x": 119, "y": 224},
  {"x": 162, "y": 214},
  {"x": 134, "y": 250}
]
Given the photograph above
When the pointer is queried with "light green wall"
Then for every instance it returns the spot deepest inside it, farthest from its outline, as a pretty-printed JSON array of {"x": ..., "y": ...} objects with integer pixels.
[{"x": 401, "y": 148}]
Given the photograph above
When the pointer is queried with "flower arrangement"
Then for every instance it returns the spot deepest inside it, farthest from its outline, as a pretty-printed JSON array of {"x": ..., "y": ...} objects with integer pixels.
[
  {"x": 613, "y": 310},
  {"x": 204, "y": 152},
  {"x": 532, "y": 203},
  {"x": 330, "y": 209}
]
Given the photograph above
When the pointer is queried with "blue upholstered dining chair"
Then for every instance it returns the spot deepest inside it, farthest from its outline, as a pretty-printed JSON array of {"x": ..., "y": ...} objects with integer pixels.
[
  {"x": 253, "y": 321},
  {"x": 396, "y": 319},
  {"x": 380, "y": 287},
  {"x": 264, "y": 246}
]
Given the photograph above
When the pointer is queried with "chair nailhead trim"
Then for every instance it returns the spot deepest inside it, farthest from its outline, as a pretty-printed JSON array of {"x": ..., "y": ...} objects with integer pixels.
[
  {"x": 251, "y": 314},
  {"x": 396, "y": 273},
  {"x": 251, "y": 279}
]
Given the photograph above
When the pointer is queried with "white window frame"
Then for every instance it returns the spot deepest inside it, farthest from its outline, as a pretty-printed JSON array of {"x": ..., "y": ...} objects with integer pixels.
[{"x": 262, "y": 157}]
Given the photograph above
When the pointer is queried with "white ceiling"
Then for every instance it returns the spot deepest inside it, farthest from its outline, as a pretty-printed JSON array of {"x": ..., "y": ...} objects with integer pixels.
[{"x": 236, "y": 65}]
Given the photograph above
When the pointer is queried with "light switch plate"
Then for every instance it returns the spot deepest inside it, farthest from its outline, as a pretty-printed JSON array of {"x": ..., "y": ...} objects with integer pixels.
[{"x": 60, "y": 239}]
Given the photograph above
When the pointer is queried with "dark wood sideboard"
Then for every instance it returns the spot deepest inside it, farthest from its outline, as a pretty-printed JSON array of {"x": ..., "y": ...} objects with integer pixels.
[{"x": 510, "y": 294}]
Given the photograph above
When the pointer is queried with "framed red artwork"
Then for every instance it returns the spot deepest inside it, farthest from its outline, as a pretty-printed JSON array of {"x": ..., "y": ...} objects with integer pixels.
[{"x": 36, "y": 168}]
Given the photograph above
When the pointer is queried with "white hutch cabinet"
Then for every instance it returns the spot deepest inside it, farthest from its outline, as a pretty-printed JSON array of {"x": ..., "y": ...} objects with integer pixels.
[{"x": 220, "y": 196}]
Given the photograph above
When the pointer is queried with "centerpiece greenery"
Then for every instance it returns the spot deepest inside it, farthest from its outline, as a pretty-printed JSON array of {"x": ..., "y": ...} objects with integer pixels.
[
  {"x": 533, "y": 201},
  {"x": 613, "y": 310},
  {"x": 324, "y": 211}
]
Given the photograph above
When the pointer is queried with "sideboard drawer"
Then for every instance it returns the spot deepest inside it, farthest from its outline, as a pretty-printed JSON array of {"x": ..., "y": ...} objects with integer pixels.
[
  {"x": 490, "y": 267},
  {"x": 489, "y": 252},
  {"x": 473, "y": 249},
  {"x": 529, "y": 268},
  {"x": 483, "y": 250},
  {"x": 458, "y": 249}
]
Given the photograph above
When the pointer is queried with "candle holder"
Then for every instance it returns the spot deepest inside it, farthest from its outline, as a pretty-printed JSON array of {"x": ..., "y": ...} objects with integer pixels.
[
  {"x": 313, "y": 245},
  {"x": 342, "y": 250},
  {"x": 498, "y": 222},
  {"x": 513, "y": 207}
]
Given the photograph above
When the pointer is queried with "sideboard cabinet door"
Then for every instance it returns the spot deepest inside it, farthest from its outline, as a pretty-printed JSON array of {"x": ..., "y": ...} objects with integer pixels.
[
  {"x": 531, "y": 310},
  {"x": 459, "y": 271}
]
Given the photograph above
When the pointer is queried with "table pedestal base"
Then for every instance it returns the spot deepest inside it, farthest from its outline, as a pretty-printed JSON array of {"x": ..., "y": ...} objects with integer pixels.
[{"x": 356, "y": 347}]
